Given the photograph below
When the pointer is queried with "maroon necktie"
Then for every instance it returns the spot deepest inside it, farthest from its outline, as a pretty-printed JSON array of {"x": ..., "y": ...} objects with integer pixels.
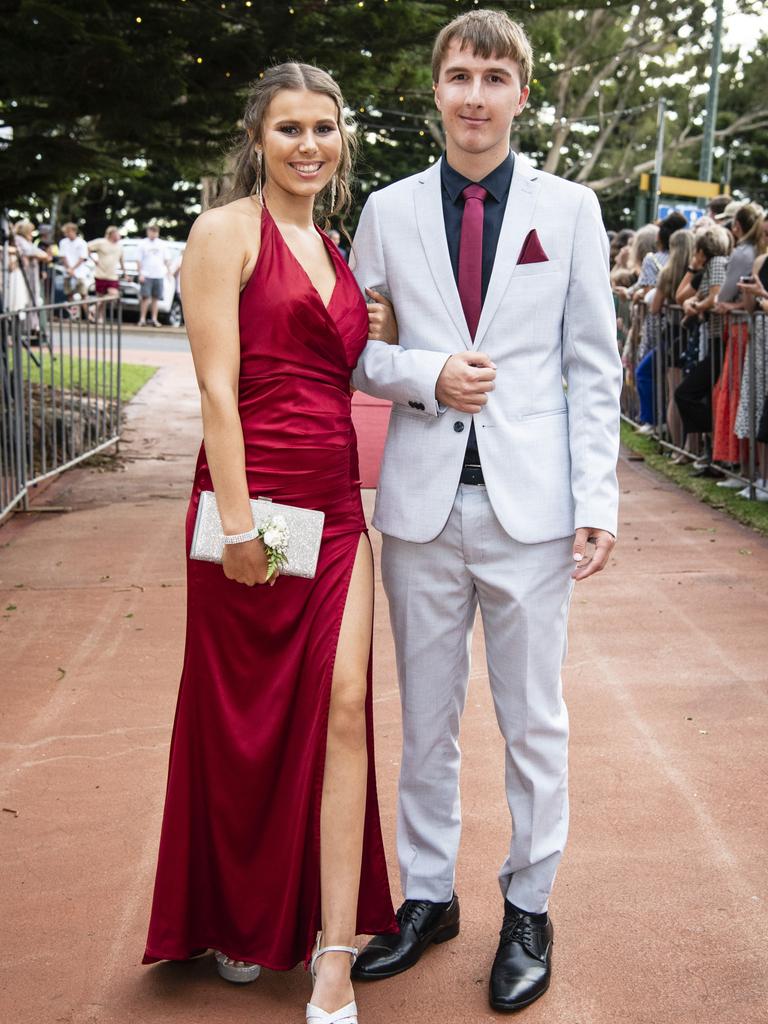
[{"x": 471, "y": 255}]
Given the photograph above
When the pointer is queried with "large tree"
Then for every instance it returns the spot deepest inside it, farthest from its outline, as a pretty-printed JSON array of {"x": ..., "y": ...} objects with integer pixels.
[{"x": 119, "y": 109}]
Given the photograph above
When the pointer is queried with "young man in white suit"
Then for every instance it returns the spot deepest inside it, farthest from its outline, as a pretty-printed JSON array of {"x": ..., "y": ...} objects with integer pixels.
[{"x": 498, "y": 484}]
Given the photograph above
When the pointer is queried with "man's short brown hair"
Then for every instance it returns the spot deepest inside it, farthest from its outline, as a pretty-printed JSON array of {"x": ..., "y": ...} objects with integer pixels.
[
  {"x": 487, "y": 34},
  {"x": 717, "y": 204}
]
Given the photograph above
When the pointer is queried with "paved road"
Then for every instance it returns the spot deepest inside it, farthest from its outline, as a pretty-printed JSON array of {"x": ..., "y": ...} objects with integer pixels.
[
  {"x": 154, "y": 339},
  {"x": 660, "y": 907}
]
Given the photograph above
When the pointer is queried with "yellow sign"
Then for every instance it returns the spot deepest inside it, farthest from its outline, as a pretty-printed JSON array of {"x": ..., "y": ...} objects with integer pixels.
[{"x": 684, "y": 187}]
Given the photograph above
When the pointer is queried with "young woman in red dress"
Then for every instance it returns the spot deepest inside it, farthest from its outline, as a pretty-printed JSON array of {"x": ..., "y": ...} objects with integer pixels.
[{"x": 271, "y": 826}]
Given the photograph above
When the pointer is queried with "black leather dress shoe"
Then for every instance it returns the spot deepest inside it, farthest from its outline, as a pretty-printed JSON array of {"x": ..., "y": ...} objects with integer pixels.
[
  {"x": 421, "y": 924},
  {"x": 523, "y": 963}
]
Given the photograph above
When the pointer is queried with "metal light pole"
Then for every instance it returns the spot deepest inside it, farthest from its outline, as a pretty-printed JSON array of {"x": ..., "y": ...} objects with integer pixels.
[
  {"x": 659, "y": 160},
  {"x": 728, "y": 171},
  {"x": 708, "y": 139}
]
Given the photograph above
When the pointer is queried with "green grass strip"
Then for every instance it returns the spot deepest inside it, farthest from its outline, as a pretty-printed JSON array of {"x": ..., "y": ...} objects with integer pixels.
[
  {"x": 750, "y": 513},
  {"x": 73, "y": 374},
  {"x": 133, "y": 377}
]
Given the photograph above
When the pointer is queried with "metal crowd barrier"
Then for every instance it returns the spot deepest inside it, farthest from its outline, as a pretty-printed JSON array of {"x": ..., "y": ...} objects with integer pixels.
[
  {"x": 722, "y": 353},
  {"x": 59, "y": 391}
]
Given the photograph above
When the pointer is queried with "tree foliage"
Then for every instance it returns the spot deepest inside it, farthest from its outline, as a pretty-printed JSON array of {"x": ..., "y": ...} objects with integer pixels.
[{"x": 118, "y": 109}]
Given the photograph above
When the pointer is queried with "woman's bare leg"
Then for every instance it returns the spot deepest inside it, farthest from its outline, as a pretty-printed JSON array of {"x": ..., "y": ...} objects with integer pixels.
[
  {"x": 674, "y": 419},
  {"x": 345, "y": 781}
]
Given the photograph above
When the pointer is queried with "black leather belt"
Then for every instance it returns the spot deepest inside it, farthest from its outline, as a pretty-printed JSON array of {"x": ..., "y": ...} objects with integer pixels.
[{"x": 472, "y": 474}]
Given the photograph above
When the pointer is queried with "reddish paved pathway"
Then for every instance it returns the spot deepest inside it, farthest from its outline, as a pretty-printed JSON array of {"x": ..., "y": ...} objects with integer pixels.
[{"x": 660, "y": 907}]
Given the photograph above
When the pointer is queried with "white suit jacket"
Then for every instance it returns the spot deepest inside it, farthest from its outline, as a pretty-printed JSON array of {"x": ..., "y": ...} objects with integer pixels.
[{"x": 548, "y": 438}]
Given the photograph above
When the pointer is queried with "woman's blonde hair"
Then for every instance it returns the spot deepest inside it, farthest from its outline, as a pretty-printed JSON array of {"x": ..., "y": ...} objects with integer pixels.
[
  {"x": 247, "y": 167},
  {"x": 750, "y": 219},
  {"x": 713, "y": 242},
  {"x": 673, "y": 271},
  {"x": 25, "y": 228},
  {"x": 486, "y": 34},
  {"x": 643, "y": 243}
]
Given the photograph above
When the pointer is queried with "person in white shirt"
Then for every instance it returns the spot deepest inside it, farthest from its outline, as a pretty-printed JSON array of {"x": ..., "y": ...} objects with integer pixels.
[
  {"x": 73, "y": 251},
  {"x": 154, "y": 265}
]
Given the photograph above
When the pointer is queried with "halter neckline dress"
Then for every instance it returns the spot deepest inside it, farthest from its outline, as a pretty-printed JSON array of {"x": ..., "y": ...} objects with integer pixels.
[{"x": 239, "y": 860}]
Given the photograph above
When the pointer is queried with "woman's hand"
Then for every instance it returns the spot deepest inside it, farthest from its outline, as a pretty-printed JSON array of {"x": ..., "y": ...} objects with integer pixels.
[
  {"x": 752, "y": 288},
  {"x": 247, "y": 563},
  {"x": 382, "y": 322}
]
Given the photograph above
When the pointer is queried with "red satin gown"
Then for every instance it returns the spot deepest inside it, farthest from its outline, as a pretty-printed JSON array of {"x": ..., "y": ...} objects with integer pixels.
[{"x": 239, "y": 861}]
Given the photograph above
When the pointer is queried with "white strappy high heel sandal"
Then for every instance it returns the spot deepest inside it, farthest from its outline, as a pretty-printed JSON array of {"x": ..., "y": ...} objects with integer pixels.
[
  {"x": 347, "y": 1014},
  {"x": 238, "y": 971}
]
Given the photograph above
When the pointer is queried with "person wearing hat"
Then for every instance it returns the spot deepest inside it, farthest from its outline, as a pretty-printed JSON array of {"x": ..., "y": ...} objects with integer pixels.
[
  {"x": 726, "y": 215},
  {"x": 717, "y": 205}
]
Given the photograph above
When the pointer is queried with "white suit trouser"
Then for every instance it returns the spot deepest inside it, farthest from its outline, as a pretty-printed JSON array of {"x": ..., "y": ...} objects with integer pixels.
[{"x": 524, "y": 591}]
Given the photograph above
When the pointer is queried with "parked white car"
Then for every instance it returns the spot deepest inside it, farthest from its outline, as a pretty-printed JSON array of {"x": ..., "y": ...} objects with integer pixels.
[{"x": 169, "y": 307}]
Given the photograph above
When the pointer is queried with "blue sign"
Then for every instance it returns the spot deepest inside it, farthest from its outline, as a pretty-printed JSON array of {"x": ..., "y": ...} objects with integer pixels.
[{"x": 689, "y": 211}]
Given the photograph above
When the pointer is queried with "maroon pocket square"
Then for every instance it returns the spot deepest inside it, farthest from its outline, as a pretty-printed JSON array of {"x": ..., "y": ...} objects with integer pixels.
[{"x": 532, "y": 251}]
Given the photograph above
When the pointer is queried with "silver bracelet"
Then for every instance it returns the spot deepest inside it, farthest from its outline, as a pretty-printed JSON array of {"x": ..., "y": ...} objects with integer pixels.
[{"x": 241, "y": 538}]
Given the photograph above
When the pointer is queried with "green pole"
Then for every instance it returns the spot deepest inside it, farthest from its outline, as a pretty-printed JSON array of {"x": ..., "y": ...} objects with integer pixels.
[{"x": 708, "y": 139}]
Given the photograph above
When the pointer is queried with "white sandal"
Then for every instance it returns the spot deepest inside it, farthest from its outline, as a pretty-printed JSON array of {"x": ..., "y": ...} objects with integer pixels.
[
  {"x": 238, "y": 971},
  {"x": 347, "y": 1014}
]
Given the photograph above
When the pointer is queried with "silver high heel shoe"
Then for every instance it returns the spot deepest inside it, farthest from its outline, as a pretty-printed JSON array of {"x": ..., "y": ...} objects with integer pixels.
[
  {"x": 347, "y": 1014},
  {"x": 238, "y": 971}
]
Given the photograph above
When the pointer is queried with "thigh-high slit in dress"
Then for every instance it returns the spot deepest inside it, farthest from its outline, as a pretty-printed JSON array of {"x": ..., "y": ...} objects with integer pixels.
[{"x": 239, "y": 861}]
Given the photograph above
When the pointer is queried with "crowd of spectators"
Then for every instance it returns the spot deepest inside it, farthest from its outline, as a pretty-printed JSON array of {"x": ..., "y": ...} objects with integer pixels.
[
  {"x": 40, "y": 271},
  {"x": 679, "y": 291},
  {"x": 682, "y": 294}
]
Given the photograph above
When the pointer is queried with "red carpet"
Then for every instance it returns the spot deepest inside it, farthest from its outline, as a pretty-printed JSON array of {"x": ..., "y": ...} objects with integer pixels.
[{"x": 371, "y": 419}]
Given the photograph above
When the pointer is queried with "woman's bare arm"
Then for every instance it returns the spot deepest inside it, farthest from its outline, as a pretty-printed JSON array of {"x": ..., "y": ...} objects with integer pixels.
[
  {"x": 218, "y": 258},
  {"x": 710, "y": 300},
  {"x": 685, "y": 289},
  {"x": 657, "y": 302},
  {"x": 210, "y": 283},
  {"x": 754, "y": 290}
]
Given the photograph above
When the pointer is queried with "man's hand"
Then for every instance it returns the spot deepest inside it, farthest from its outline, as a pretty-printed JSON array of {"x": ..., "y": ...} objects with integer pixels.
[
  {"x": 465, "y": 381},
  {"x": 590, "y": 562}
]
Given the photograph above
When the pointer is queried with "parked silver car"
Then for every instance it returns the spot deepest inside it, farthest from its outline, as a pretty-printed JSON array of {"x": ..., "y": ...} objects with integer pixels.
[{"x": 169, "y": 307}]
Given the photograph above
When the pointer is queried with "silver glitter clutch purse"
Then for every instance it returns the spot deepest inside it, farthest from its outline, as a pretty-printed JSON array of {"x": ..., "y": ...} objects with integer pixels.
[{"x": 305, "y": 531}]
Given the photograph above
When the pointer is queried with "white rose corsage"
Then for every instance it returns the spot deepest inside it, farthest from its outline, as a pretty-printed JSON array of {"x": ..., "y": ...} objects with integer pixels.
[{"x": 275, "y": 535}]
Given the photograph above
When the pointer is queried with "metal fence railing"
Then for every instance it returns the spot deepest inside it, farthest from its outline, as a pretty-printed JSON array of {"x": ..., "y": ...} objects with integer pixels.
[
  {"x": 699, "y": 386},
  {"x": 60, "y": 367}
]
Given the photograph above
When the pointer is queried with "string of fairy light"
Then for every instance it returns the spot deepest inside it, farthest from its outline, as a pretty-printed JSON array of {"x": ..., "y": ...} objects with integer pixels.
[
  {"x": 366, "y": 117},
  {"x": 229, "y": 11}
]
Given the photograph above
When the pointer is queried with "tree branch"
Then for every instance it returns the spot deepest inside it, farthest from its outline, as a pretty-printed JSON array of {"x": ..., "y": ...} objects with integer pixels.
[{"x": 745, "y": 122}]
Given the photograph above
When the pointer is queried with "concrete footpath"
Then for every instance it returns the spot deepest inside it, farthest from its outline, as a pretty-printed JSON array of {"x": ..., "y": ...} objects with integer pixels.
[{"x": 660, "y": 906}]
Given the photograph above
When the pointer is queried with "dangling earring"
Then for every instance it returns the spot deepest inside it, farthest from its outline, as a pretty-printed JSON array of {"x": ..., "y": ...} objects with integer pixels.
[
  {"x": 333, "y": 193},
  {"x": 257, "y": 188}
]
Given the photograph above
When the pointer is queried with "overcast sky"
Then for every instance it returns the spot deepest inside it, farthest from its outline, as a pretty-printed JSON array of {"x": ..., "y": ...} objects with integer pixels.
[{"x": 743, "y": 29}]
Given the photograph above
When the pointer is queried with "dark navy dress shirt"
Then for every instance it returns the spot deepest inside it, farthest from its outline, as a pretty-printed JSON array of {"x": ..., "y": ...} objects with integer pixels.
[{"x": 497, "y": 185}]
